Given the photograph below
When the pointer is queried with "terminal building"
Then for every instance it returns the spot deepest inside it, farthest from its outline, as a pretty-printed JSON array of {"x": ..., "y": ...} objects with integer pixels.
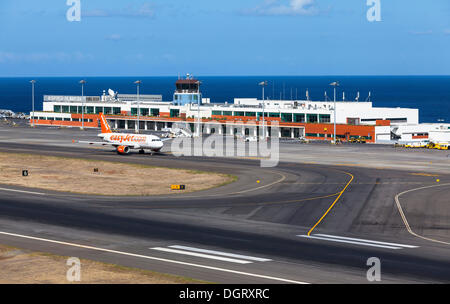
[{"x": 244, "y": 117}]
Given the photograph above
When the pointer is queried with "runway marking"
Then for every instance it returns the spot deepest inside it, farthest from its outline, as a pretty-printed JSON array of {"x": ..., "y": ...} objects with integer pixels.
[
  {"x": 348, "y": 165},
  {"x": 201, "y": 255},
  {"x": 156, "y": 259},
  {"x": 294, "y": 201},
  {"x": 260, "y": 204},
  {"x": 233, "y": 255},
  {"x": 405, "y": 221},
  {"x": 425, "y": 174},
  {"x": 283, "y": 177},
  {"x": 252, "y": 157},
  {"x": 355, "y": 241},
  {"x": 332, "y": 205},
  {"x": 367, "y": 241},
  {"x": 21, "y": 191},
  {"x": 375, "y": 183}
]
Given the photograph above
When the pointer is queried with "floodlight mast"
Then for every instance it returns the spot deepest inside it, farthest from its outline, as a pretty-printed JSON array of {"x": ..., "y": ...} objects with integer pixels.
[
  {"x": 82, "y": 82},
  {"x": 334, "y": 84},
  {"x": 32, "y": 101},
  {"x": 138, "y": 83},
  {"x": 263, "y": 84}
]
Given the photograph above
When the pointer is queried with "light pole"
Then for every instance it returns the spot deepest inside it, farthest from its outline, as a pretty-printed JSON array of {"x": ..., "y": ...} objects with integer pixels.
[
  {"x": 198, "y": 112},
  {"x": 334, "y": 84},
  {"x": 138, "y": 82},
  {"x": 32, "y": 101},
  {"x": 82, "y": 82},
  {"x": 263, "y": 84}
]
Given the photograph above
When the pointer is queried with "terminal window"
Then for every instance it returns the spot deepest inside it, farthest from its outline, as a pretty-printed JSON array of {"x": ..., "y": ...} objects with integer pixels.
[
  {"x": 324, "y": 118},
  {"x": 311, "y": 118},
  {"x": 299, "y": 117}
]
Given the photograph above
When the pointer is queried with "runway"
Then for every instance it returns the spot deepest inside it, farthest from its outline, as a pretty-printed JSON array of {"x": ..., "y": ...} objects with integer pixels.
[{"x": 302, "y": 223}]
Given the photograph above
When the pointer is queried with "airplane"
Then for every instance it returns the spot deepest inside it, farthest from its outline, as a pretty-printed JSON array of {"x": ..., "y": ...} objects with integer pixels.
[{"x": 124, "y": 142}]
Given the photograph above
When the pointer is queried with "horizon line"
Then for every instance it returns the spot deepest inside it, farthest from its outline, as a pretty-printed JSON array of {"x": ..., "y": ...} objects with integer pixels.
[{"x": 229, "y": 75}]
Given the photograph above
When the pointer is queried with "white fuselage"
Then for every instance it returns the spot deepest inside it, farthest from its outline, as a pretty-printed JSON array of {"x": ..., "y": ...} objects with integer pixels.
[{"x": 133, "y": 141}]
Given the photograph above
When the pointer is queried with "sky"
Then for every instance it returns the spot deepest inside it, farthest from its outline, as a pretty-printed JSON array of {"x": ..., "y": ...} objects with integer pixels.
[{"x": 216, "y": 37}]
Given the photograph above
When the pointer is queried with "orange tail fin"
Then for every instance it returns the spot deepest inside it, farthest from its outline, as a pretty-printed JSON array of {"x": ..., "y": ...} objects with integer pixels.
[{"x": 104, "y": 124}]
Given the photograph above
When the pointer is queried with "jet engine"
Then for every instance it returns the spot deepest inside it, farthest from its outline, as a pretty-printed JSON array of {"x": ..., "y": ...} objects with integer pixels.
[{"x": 123, "y": 150}]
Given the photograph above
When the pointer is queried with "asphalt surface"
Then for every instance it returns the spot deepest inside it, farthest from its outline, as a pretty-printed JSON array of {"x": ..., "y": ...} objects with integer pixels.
[{"x": 263, "y": 224}]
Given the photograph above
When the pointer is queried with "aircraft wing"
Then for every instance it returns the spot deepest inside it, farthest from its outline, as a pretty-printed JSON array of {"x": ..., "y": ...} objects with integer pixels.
[
  {"x": 104, "y": 143},
  {"x": 95, "y": 143}
]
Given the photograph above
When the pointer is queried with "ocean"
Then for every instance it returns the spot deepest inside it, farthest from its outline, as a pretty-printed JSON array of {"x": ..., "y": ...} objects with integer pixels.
[{"x": 430, "y": 94}]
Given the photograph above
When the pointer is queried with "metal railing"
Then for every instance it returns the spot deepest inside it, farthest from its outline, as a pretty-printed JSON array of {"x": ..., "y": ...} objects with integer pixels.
[{"x": 62, "y": 98}]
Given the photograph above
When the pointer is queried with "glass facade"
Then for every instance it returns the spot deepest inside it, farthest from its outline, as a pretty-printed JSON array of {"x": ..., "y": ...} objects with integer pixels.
[
  {"x": 186, "y": 98},
  {"x": 299, "y": 117},
  {"x": 174, "y": 113},
  {"x": 311, "y": 118},
  {"x": 286, "y": 117},
  {"x": 285, "y": 132},
  {"x": 324, "y": 118}
]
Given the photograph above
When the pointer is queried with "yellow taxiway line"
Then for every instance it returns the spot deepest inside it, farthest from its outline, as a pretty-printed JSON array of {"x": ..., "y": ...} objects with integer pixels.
[{"x": 335, "y": 201}]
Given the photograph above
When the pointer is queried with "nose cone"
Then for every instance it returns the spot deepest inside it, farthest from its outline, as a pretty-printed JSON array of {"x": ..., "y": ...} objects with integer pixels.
[{"x": 157, "y": 145}]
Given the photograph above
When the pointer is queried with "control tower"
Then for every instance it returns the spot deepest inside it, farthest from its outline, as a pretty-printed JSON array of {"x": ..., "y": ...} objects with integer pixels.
[{"x": 187, "y": 91}]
